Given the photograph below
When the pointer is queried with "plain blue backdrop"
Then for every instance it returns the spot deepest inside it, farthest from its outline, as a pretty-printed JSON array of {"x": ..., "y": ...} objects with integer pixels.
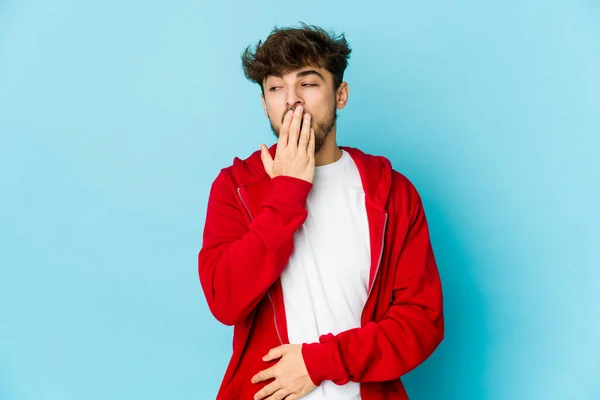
[{"x": 115, "y": 117}]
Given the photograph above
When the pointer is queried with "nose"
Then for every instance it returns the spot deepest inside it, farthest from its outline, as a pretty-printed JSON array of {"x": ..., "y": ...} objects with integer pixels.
[{"x": 293, "y": 100}]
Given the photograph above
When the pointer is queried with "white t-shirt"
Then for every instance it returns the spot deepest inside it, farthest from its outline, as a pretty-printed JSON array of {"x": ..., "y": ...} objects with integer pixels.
[{"x": 325, "y": 283}]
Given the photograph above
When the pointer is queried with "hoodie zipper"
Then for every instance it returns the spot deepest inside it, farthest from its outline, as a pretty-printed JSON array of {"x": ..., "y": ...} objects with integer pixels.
[
  {"x": 268, "y": 294},
  {"x": 275, "y": 318},
  {"x": 378, "y": 264}
]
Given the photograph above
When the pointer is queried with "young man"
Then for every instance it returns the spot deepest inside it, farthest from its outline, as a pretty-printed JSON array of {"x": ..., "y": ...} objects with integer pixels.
[{"x": 318, "y": 254}]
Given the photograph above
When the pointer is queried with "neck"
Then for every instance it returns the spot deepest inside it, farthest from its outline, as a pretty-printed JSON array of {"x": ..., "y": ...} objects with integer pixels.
[{"x": 329, "y": 152}]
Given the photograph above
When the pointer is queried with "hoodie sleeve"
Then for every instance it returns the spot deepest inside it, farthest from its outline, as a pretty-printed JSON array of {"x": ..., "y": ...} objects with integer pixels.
[
  {"x": 410, "y": 330},
  {"x": 238, "y": 260}
]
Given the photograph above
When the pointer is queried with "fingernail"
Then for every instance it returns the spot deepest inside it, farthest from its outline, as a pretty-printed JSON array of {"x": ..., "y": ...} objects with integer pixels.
[{"x": 299, "y": 109}]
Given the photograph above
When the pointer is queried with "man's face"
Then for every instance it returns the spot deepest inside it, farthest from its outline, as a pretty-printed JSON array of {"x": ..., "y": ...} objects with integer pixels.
[{"x": 311, "y": 87}]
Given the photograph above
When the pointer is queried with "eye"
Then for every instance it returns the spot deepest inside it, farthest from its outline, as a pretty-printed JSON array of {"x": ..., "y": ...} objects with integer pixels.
[
  {"x": 273, "y": 88},
  {"x": 309, "y": 84}
]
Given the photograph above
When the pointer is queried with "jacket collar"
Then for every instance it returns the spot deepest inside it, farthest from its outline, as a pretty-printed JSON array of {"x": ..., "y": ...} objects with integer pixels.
[{"x": 375, "y": 173}]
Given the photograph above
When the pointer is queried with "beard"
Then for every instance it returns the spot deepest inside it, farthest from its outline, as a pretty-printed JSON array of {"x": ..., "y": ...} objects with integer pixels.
[{"x": 322, "y": 128}]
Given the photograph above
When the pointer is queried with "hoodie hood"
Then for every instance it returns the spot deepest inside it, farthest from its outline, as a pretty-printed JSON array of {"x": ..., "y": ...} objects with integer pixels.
[{"x": 375, "y": 173}]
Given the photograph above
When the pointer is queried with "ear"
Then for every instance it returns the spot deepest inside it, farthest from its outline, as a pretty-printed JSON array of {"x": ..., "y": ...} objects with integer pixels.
[
  {"x": 264, "y": 103},
  {"x": 341, "y": 96}
]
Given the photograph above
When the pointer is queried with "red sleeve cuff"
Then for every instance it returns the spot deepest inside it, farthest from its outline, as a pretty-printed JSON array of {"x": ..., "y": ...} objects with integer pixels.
[
  {"x": 321, "y": 364},
  {"x": 290, "y": 190}
]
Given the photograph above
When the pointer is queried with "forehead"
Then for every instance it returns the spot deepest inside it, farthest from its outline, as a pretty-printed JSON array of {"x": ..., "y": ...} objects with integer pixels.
[{"x": 316, "y": 72}]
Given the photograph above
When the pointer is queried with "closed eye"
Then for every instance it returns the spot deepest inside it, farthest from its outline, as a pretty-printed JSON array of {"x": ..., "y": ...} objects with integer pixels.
[{"x": 304, "y": 84}]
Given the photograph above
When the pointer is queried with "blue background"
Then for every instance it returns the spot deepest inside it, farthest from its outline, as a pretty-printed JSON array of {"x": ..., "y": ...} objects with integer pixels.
[{"x": 116, "y": 116}]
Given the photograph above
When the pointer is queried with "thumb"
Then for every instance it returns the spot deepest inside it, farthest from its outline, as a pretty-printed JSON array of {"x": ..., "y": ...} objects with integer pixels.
[{"x": 265, "y": 156}]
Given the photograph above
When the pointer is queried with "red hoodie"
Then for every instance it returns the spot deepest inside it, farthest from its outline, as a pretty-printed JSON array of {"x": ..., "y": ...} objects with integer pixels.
[{"x": 247, "y": 241}]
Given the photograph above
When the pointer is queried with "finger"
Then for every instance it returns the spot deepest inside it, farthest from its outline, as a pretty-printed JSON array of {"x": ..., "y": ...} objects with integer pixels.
[
  {"x": 305, "y": 133},
  {"x": 267, "y": 390},
  {"x": 265, "y": 156},
  {"x": 274, "y": 353},
  {"x": 311, "y": 144},
  {"x": 285, "y": 129},
  {"x": 295, "y": 127},
  {"x": 292, "y": 397},
  {"x": 280, "y": 394},
  {"x": 263, "y": 375}
]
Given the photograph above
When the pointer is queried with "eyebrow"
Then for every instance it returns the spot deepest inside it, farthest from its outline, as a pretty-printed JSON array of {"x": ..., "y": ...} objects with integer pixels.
[
  {"x": 309, "y": 72},
  {"x": 304, "y": 73}
]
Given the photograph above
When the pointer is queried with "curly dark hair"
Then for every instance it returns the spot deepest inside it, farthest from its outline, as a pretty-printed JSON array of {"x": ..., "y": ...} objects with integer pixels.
[{"x": 287, "y": 49}]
